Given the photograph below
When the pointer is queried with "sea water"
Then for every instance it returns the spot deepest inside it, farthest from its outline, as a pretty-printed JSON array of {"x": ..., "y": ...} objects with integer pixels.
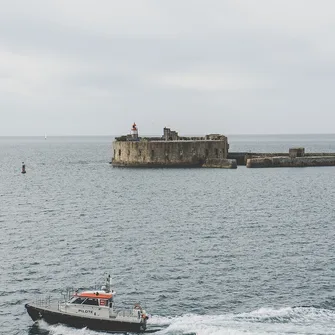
[{"x": 205, "y": 251}]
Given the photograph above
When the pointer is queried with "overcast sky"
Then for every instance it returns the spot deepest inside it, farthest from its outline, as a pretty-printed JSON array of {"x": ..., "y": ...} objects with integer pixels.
[{"x": 80, "y": 67}]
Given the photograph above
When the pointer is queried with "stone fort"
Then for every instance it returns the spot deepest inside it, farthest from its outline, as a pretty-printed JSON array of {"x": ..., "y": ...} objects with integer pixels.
[{"x": 171, "y": 150}]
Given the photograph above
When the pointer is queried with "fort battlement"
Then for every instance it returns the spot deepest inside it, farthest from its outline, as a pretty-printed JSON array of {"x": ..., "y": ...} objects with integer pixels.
[{"x": 171, "y": 150}]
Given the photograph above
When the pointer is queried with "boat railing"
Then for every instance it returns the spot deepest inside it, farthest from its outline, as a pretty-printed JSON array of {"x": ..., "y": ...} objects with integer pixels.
[
  {"x": 60, "y": 306},
  {"x": 43, "y": 302},
  {"x": 67, "y": 294}
]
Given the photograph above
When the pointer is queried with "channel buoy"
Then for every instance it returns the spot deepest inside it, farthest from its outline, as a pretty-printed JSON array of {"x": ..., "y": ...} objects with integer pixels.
[{"x": 23, "y": 168}]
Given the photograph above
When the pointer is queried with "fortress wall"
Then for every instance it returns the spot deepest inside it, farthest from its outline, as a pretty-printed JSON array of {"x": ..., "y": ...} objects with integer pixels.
[{"x": 167, "y": 153}]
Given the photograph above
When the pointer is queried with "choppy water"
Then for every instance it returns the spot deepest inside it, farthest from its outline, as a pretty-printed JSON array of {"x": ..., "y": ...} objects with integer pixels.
[{"x": 206, "y": 251}]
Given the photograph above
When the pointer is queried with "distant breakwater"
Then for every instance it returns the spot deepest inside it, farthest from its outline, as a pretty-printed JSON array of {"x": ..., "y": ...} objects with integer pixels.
[{"x": 296, "y": 157}]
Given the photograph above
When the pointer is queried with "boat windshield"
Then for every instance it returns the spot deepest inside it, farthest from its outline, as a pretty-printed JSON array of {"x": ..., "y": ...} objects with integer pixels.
[
  {"x": 84, "y": 301},
  {"x": 77, "y": 300},
  {"x": 93, "y": 302}
]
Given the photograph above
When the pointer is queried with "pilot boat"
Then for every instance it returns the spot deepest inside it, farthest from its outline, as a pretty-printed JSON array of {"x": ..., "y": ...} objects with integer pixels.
[{"x": 92, "y": 309}]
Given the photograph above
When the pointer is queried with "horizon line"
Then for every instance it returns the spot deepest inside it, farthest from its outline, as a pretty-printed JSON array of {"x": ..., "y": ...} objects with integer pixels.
[{"x": 183, "y": 135}]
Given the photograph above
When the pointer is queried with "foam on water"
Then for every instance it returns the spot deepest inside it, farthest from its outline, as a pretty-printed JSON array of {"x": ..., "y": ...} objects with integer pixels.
[
  {"x": 64, "y": 330},
  {"x": 288, "y": 320}
]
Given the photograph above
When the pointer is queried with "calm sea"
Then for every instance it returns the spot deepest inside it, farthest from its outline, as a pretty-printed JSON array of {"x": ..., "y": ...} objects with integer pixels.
[{"x": 206, "y": 251}]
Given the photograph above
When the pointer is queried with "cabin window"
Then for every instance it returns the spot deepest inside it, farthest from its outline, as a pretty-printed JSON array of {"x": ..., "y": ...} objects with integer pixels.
[
  {"x": 93, "y": 302},
  {"x": 119, "y": 152},
  {"x": 217, "y": 153},
  {"x": 103, "y": 302},
  {"x": 78, "y": 301}
]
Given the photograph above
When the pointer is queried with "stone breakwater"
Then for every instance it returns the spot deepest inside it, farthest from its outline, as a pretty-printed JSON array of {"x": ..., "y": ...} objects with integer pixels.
[
  {"x": 220, "y": 163},
  {"x": 242, "y": 157},
  {"x": 296, "y": 157},
  {"x": 267, "y": 162}
]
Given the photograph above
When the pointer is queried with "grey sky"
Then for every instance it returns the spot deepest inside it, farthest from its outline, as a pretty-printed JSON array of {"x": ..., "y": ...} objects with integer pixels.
[{"x": 79, "y": 67}]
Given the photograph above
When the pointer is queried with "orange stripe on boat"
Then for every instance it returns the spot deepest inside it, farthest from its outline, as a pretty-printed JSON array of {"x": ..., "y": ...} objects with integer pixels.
[{"x": 97, "y": 296}]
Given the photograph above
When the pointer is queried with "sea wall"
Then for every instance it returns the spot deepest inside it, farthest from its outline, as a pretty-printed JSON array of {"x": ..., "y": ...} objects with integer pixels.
[
  {"x": 181, "y": 153},
  {"x": 266, "y": 162},
  {"x": 220, "y": 163},
  {"x": 242, "y": 157}
]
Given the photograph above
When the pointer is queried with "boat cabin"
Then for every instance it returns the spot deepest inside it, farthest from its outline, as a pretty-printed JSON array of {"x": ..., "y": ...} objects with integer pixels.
[
  {"x": 99, "y": 304},
  {"x": 91, "y": 303}
]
